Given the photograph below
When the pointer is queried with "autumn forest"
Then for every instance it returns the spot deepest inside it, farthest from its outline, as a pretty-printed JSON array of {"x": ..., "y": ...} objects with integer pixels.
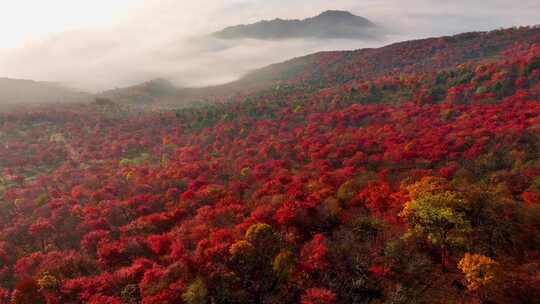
[{"x": 403, "y": 174}]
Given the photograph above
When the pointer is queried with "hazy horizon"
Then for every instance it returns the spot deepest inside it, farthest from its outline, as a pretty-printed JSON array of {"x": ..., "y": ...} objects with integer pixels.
[{"x": 102, "y": 45}]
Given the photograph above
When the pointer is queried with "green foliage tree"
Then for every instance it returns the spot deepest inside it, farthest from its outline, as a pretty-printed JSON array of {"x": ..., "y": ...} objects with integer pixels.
[{"x": 437, "y": 214}]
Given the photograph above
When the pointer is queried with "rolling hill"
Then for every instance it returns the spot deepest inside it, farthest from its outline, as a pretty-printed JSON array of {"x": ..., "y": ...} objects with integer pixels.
[{"x": 18, "y": 91}]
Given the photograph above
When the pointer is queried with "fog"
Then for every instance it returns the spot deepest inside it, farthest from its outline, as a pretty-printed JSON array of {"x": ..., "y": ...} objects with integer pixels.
[{"x": 112, "y": 44}]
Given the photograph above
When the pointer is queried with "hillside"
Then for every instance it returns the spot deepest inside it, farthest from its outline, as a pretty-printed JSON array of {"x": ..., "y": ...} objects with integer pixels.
[
  {"x": 406, "y": 174},
  {"x": 328, "y": 69},
  {"x": 157, "y": 90},
  {"x": 327, "y": 25},
  {"x": 18, "y": 91},
  {"x": 424, "y": 55}
]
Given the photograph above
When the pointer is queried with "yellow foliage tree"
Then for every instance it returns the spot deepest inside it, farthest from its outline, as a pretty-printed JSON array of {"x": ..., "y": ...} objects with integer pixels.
[
  {"x": 47, "y": 282},
  {"x": 284, "y": 264},
  {"x": 242, "y": 249},
  {"x": 196, "y": 293},
  {"x": 57, "y": 138},
  {"x": 479, "y": 270},
  {"x": 438, "y": 214},
  {"x": 426, "y": 186},
  {"x": 259, "y": 233}
]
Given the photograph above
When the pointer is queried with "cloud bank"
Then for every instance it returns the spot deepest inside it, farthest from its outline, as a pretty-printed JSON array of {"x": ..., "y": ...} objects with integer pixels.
[{"x": 169, "y": 38}]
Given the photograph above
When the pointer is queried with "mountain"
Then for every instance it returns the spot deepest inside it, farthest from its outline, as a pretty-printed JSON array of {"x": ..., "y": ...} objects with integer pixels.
[
  {"x": 145, "y": 93},
  {"x": 424, "y": 55},
  {"x": 319, "y": 70},
  {"x": 328, "y": 69},
  {"x": 328, "y": 25},
  {"x": 19, "y": 91}
]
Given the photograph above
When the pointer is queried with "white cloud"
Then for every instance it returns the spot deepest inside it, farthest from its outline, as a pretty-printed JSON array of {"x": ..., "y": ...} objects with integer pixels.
[{"x": 101, "y": 44}]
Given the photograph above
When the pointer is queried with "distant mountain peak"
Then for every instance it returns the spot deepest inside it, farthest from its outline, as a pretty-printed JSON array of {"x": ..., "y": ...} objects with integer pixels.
[
  {"x": 337, "y": 14},
  {"x": 329, "y": 24}
]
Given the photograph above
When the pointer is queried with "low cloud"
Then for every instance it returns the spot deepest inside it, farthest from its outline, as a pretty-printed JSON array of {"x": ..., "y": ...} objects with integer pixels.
[{"x": 170, "y": 38}]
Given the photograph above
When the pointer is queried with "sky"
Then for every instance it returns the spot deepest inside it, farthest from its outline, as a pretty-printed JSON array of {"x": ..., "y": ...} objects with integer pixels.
[{"x": 102, "y": 44}]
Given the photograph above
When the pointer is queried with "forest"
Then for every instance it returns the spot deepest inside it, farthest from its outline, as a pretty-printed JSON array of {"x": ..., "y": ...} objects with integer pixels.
[{"x": 407, "y": 174}]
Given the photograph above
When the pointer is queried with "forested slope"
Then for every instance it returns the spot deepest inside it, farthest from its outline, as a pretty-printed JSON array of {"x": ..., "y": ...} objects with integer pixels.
[{"x": 417, "y": 186}]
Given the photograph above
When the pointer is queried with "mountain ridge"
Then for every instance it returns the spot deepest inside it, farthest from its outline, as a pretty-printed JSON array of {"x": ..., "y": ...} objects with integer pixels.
[
  {"x": 330, "y": 24},
  {"x": 339, "y": 67},
  {"x": 24, "y": 91}
]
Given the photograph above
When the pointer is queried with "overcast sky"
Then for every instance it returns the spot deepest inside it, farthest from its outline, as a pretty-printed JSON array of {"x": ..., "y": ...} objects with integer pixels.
[{"x": 101, "y": 44}]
